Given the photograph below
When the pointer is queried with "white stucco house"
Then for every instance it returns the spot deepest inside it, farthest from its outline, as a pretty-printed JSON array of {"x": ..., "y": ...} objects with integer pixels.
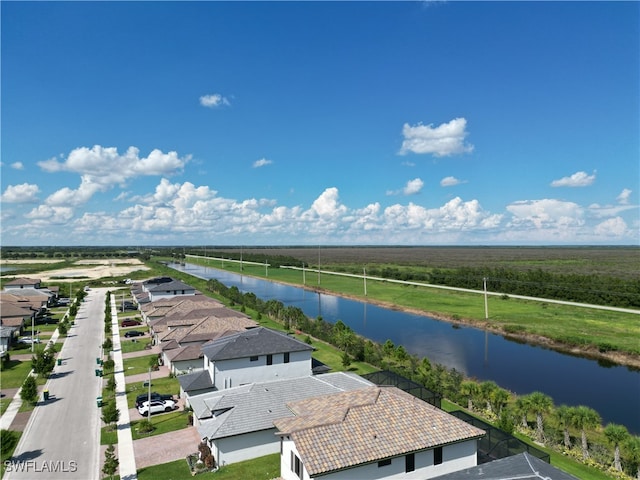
[
  {"x": 374, "y": 433},
  {"x": 238, "y": 422},
  {"x": 255, "y": 355}
]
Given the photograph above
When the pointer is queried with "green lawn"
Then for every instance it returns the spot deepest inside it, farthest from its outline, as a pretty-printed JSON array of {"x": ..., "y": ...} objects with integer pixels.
[
  {"x": 262, "y": 468},
  {"x": 137, "y": 365},
  {"x": 167, "y": 385},
  {"x": 14, "y": 373},
  {"x": 163, "y": 423},
  {"x": 138, "y": 345}
]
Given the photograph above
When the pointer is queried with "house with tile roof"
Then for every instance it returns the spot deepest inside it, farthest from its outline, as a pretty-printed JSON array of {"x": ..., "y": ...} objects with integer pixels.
[
  {"x": 238, "y": 422},
  {"x": 15, "y": 315},
  {"x": 257, "y": 354},
  {"x": 22, "y": 282},
  {"x": 373, "y": 433},
  {"x": 181, "y": 334}
]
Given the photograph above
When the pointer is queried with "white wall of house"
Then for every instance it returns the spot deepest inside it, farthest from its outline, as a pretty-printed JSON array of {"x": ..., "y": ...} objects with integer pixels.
[
  {"x": 158, "y": 295},
  {"x": 245, "y": 447},
  {"x": 286, "y": 469},
  {"x": 454, "y": 458},
  {"x": 239, "y": 371},
  {"x": 181, "y": 367}
]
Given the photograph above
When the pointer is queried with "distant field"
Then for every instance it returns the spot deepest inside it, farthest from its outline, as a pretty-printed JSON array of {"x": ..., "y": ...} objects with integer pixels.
[{"x": 620, "y": 262}]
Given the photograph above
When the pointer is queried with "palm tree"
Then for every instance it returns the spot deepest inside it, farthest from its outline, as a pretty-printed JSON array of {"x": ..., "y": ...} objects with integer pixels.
[
  {"x": 522, "y": 408},
  {"x": 469, "y": 389},
  {"x": 499, "y": 398},
  {"x": 563, "y": 416},
  {"x": 540, "y": 404},
  {"x": 584, "y": 418},
  {"x": 486, "y": 391},
  {"x": 632, "y": 453},
  {"x": 616, "y": 434}
]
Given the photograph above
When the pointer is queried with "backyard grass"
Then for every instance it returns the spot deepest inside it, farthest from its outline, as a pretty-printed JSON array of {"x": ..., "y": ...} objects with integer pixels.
[{"x": 262, "y": 468}]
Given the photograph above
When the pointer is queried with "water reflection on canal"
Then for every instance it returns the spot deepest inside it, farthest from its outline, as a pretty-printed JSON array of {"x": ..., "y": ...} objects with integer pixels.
[{"x": 613, "y": 391}]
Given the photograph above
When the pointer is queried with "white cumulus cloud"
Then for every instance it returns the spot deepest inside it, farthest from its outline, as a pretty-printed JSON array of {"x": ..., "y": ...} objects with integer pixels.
[
  {"x": 23, "y": 193},
  {"x": 545, "y": 212},
  {"x": 578, "y": 179},
  {"x": 17, "y": 166},
  {"x": 450, "y": 182},
  {"x": 613, "y": 227},
  {"x": 442, "y": 141},
  {"x": 261, "y": 163},
  {"x": 213, "y": 100},
  {"x": 413, "y": 186},
  {"x": 328, "y": 205},
  {"x": 102, "y": 168},
  {"x": 623, "y": 198}
]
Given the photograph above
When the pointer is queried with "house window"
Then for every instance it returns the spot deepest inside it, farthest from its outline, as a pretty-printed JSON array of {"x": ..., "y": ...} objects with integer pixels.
[
  {"x": 437, "y": 456},
  {"x": 286, "y": 357},
  {"x": 253, "y": 359},
  {"x": 269, "y": 359},
  {"x": 296, "y": 465},
  {"x": 410, "y": 462},
  {"x": 384, "y": 463}
]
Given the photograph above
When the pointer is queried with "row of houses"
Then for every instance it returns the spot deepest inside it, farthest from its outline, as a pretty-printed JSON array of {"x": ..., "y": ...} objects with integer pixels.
[
  {"x": 22, "y": 302},
  {"x": 254, "y": 391}
]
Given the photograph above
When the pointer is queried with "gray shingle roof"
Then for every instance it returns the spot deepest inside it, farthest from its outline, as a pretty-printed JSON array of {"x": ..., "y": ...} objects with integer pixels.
[
  {"x": 522, "y": 466},
  {"x": 254, "y": 407},
  {"x": 169, "y": 286},
  {"x": 195, "y": 381},
  {"x": 257, "y": 341}
]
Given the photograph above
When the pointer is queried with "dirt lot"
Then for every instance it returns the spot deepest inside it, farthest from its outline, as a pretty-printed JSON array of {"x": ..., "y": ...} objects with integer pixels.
[{"x": 85, "y": 269}]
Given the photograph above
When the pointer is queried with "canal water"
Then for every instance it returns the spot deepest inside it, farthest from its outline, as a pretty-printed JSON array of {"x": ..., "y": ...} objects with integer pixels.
[{"x": 612, "y": 390}]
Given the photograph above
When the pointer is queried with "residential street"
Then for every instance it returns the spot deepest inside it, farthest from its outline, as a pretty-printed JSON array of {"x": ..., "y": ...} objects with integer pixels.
[{"x": 62, "y": 438}]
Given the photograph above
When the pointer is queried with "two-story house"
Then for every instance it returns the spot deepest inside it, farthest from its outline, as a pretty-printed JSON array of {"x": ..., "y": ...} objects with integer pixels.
[{"x": 258, "y": 354}]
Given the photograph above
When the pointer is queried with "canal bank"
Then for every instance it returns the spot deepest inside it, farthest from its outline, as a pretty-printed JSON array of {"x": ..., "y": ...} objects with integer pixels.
[{"x": 516, "y": 366}]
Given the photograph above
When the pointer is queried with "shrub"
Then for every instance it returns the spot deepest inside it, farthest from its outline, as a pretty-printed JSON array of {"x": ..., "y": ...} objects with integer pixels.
[
  {"x": 145, "y": 426},
  {"x": 29, "y": 392}
]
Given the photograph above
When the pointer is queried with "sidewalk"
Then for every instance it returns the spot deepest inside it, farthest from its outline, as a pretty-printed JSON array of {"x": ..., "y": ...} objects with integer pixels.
[
  {"x": 126, "y": 455},
  {"x": 12, "y": 410}
]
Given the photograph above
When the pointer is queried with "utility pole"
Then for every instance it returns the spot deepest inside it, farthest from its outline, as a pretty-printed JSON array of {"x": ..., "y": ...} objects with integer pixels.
[
  {"x": 318, "y": 265},
  {"x": 266, "y": 268},
  {"x": 149, "y": 398},
  {"x": 364, "y": 276},
  {"x": 304, "y": 279},
  {"x": 486, "y": 305}
]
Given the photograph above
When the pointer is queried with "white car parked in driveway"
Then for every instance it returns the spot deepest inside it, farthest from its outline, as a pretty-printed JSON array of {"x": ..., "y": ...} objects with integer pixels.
[{"x": 157, "y": 406}]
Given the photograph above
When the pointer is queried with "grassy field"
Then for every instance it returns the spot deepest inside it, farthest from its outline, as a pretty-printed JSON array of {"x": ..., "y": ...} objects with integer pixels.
[
  {"x": 621, "y": 262},
  {"x": 597, "y": 330}
]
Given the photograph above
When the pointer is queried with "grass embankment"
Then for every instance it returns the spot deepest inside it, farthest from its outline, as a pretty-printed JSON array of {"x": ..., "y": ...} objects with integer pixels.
[{"x": 596, "y": 332}]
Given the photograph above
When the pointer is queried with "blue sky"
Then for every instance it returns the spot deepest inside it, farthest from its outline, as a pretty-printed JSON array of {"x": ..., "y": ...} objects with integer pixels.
[{"x": 280, "y": 123}]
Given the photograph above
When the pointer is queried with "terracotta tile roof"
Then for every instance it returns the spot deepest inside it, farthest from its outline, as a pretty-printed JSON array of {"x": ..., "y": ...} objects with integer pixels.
[
  {"x": 344, "y": 430},
  {"x": 24, "y": 281}
]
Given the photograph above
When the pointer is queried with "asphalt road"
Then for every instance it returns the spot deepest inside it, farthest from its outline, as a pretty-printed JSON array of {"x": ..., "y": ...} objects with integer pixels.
[{"x": 62, "y": 438}]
